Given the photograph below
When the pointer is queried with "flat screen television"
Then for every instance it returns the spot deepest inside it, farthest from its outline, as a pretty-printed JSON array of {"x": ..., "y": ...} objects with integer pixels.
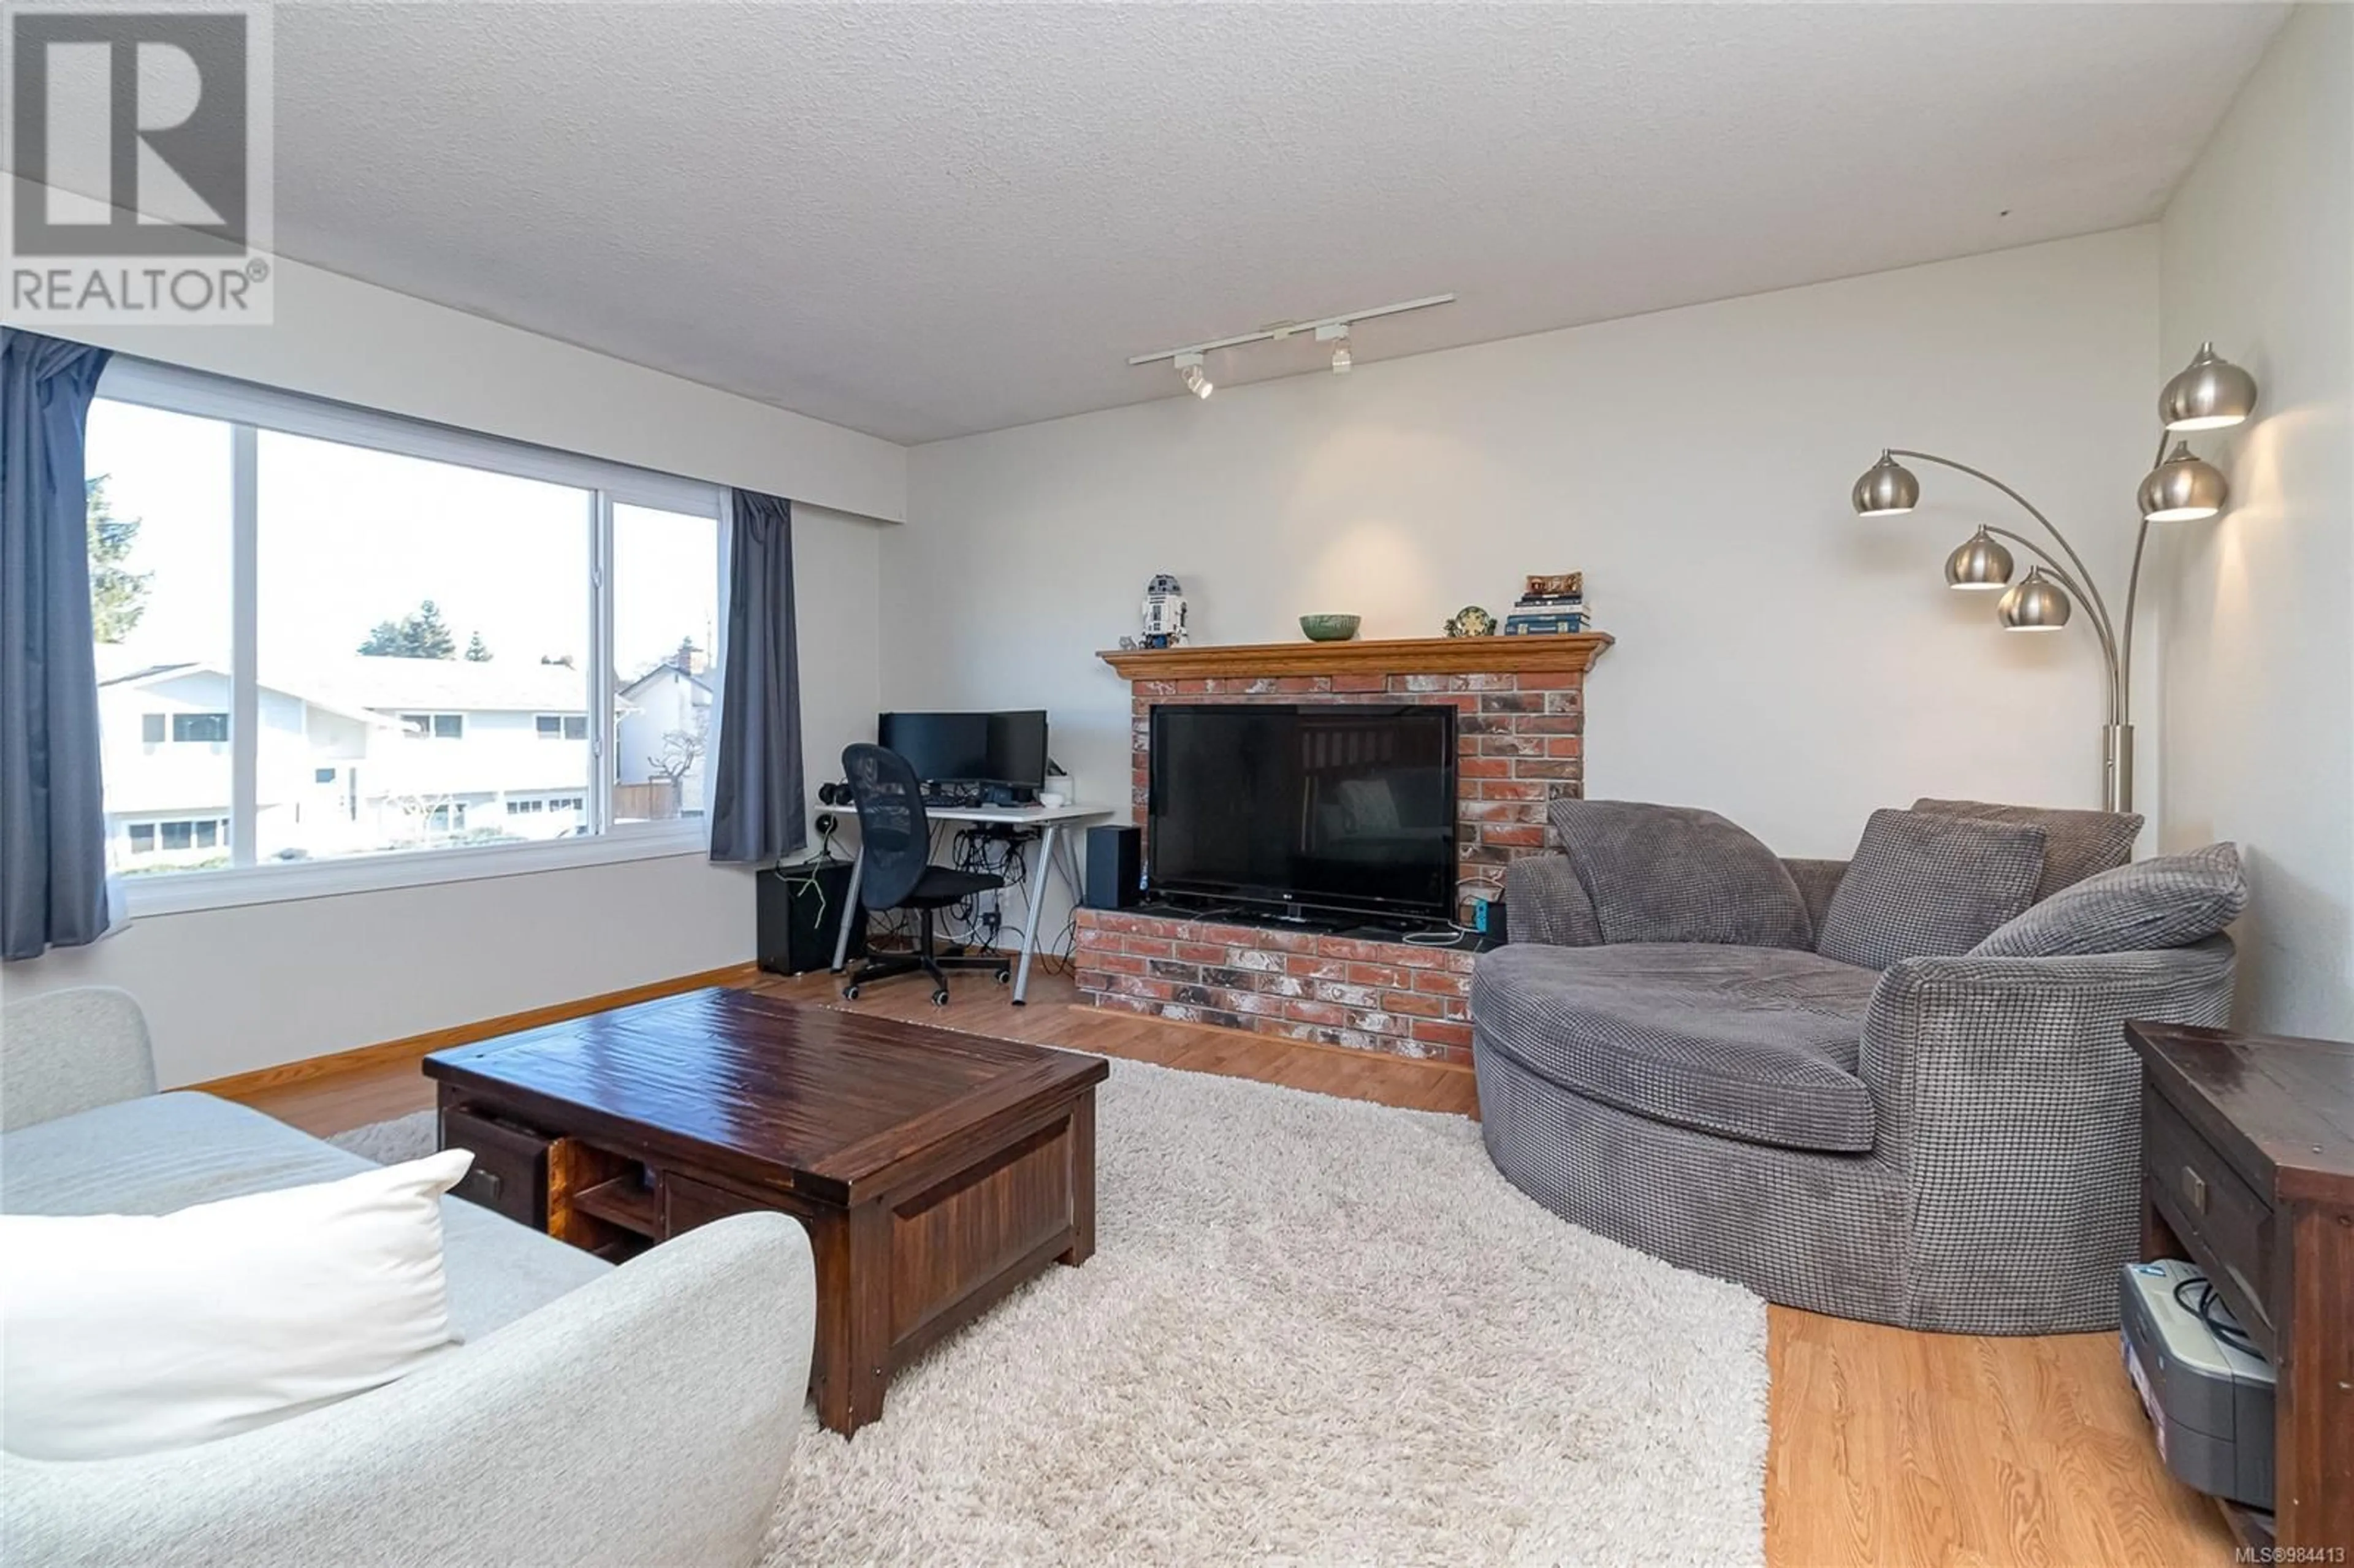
[{"x": 1336, "y": 807}]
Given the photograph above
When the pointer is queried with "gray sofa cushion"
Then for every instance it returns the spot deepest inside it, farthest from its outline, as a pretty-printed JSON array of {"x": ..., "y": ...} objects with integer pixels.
[
  {"x": 1817, "y": 881},
  {"x": 1759, "y": 1043},
  {"x": 165, "y": 1152},
  {"x": 2075, "y": 844},
  {"x": 1548, "y": 903},
  {"x": 1677, "y": 874},
  {"x": 2172, "y": 901},
  {"x": 1924, "y": 886}
]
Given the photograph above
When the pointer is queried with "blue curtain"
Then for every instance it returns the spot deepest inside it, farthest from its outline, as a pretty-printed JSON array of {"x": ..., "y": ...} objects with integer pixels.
[
  {"x": 52, "y": 812},
  {"x": 758, "y": 815}
]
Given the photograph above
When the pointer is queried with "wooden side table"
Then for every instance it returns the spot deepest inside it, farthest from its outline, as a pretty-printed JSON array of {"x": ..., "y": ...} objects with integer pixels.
[{"x": 2248, "y": 1171}]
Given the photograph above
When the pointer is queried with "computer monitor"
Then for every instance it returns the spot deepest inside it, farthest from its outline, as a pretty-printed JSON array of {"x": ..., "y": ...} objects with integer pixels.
[
  {"x": 940, "y": 748},
  {"x": 1004, "y": 749},
  {"x": 1017, "y": 748}
]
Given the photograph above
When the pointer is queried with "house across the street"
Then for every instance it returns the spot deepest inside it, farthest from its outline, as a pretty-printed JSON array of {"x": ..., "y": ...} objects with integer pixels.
[
  {"x": 365, "y": 753},
  {"x": 663, "y": 729}
]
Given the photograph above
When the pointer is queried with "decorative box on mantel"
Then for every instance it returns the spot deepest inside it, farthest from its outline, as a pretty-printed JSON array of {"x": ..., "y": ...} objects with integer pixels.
[{"x": 1521, "y": 740}]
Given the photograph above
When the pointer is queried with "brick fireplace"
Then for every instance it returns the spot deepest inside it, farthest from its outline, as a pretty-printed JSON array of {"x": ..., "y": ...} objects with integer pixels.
[{"x": 1519, "y": 743}]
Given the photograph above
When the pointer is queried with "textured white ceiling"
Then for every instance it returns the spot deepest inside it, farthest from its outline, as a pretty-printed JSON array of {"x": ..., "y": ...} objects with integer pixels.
[{"x": 922, "y": 220}]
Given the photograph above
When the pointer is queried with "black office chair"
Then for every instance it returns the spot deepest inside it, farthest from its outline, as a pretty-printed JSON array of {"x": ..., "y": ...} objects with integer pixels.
[{"x": 896, "y": 843}]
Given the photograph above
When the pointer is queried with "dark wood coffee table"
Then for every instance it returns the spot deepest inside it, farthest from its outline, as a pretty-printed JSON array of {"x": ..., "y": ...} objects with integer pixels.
[{"x": 935, "y": 1171}]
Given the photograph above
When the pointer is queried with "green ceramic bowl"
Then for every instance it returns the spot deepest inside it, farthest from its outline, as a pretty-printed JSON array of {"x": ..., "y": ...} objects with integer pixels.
[{"x": 1330, "y": 627}]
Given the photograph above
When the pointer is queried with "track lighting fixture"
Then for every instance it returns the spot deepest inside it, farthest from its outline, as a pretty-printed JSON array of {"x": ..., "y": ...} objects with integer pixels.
[
  {"x": 1337, "y": 335},
  {"x": 1332, "y": 330}
]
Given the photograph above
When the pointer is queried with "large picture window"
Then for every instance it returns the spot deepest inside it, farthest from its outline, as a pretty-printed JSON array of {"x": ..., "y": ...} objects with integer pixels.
[{"x": 333, "y": 643}]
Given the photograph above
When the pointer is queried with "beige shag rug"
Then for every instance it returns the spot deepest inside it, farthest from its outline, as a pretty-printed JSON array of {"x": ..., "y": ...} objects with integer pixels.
[{"x": 1314, "y": 1330}]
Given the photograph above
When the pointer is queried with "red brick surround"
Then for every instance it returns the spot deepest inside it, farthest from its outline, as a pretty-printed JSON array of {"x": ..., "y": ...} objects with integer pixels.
[
  {"x": 1377, "y": 996},
  {"x": 1519, "y": 743}
]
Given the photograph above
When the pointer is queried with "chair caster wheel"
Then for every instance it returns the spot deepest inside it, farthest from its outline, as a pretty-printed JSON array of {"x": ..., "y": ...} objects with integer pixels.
[
  {"x": 850, "y": 993},
  {"x": 1005, "y": 977},
  {"x": 940, "y": 997}
]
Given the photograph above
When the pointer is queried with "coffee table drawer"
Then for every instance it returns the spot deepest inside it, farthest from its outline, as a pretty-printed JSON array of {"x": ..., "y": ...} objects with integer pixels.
[
  {"x": 509, "y": 1175},
  {"x": 2221, "y": 1219},
  {"x": 687, "y": 1202}
]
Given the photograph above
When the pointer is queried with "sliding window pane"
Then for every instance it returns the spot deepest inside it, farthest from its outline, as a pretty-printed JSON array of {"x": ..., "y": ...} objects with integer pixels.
[
  {"x": 159, "y": 567},
  {"x": 666, "y": 627},
  {"x": 418, "y": 621}
]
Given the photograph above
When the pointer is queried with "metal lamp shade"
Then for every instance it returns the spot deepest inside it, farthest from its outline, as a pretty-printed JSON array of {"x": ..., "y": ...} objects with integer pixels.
[
  {"x": 2208, "y": 394},
  {"x": 1980, "y": 564},
  {"x": 2182, "y": 489},
  {"x": 2037, "y": 604},
  {"x": 1886, "y": 489}
]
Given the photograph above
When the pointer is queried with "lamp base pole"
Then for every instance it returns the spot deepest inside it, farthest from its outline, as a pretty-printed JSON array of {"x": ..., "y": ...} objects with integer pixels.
[{"x": 2116, "y": 766}]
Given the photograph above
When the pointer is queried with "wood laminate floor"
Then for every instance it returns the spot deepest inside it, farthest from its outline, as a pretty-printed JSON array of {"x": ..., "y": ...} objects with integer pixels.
[{"x": 1887, "y": 1445}]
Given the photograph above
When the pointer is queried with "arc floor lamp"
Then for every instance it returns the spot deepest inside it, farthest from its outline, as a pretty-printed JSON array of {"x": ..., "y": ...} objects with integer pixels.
[{"x": 2209, "y": 395}]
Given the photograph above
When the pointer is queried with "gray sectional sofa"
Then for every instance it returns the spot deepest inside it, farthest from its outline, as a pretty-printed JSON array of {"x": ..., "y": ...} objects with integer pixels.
[
  {"x": 1895, "y": 1089},
  {"x": 591, "y": 1414}
]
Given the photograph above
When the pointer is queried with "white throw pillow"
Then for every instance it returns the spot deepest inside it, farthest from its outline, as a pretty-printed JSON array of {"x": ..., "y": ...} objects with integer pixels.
[{"x": 129, "y": 1334}]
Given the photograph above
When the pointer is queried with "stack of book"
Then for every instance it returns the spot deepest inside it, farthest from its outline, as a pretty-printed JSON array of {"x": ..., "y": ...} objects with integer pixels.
[{"x": 1538, "y": 614}]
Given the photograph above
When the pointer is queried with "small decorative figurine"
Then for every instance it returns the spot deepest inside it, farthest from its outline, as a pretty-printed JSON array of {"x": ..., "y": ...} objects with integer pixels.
[
  {"x": 1470, "y": 621},
  {"x": 1164, "y": 613}
]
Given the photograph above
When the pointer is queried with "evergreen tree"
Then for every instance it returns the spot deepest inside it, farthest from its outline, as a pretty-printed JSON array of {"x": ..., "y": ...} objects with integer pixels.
[
  {"x": 477, "y": 651},
  {"x": 421, "y": 635},
  {"x": 118, "y": 596}
]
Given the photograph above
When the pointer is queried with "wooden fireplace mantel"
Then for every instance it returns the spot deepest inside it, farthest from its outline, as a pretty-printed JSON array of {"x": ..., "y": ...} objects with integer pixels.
[{"x": 1575, "y": 651}]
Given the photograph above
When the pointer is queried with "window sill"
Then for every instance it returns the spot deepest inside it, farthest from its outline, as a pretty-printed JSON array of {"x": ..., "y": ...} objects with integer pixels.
[{"x": 185, "y": 893}]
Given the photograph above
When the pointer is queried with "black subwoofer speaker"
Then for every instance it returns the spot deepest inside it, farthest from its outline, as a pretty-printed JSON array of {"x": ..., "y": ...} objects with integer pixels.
[
  {"x": 799, "y": 913},
  {"x": 1115, "y": 867}
]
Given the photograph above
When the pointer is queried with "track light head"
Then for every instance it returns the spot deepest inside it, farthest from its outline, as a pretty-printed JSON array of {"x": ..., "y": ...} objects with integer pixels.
[
  {"x": 1189, "y": 371},
  {"x": 1337, "y": 335}
]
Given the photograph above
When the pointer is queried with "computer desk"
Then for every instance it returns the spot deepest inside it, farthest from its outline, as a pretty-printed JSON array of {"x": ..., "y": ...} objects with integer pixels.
[{"x": 1050, "y": 821}]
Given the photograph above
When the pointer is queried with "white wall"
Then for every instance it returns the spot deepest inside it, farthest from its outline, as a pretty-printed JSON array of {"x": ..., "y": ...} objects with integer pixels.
[
  {"x": 232, "y": 989},
  {"x": 2258, "y": 254},
  {"x": 1779, "y": 658}
]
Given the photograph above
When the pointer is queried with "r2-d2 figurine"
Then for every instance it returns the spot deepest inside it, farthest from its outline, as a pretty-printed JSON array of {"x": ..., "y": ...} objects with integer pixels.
[{"x": 1164, "y": 613}]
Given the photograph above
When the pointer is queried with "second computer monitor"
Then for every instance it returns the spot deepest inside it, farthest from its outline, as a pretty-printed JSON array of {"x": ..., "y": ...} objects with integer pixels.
[
  {"x": 1001, "y": 748},
  {"x": 1017, "y": 748}
]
